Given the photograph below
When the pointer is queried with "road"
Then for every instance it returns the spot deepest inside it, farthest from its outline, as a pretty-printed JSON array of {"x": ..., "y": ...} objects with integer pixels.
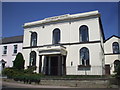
[{"x": 21, "y": 86}]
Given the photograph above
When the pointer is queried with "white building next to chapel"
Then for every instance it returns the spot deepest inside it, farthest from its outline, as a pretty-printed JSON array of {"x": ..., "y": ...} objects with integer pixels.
[
  {"x": 112, "y": 54},
  {"x": 9, "y": 48},
  {"x": 65, "y": 45}
]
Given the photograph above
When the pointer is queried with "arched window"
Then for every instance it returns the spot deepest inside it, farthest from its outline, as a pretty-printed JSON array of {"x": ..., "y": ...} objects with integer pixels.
[
  {"x": 116, "y": 64},
  {"x": 116, "y": 47},
  {"x": 56, "y": 36},
  {"x": 83, "y": 33},
  {"x": 84, "y": 56},
  {"x": 33, "y": 58},
  {"x": 33, "y": 39}
]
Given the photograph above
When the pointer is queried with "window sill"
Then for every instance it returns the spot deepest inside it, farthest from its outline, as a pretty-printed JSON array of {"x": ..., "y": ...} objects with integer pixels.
[
  {"x": 4, "y": 55},
  {"x": 83, "y": 67},
  {"x": 14, "y": 54},
  {"x": 34, "y": 67}
]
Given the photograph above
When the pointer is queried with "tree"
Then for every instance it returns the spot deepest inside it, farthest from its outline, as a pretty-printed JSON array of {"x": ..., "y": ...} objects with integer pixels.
[{"x": 19, "y": 61}]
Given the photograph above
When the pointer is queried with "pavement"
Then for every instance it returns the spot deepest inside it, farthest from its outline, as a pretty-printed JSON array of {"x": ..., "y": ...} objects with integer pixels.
[
  {"x": 13, "y": 85},
  {"x": 21, "y": 85}
]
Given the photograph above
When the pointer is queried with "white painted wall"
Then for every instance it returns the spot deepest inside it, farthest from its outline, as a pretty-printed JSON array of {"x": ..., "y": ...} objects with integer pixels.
[
  {"x": 10, "y": 56},
  {"x": 70, "y": 34},
  {"x": 108, "y": 44},
  {"x": 109, "y": 59},
  {"x": 73, "y": 56},
  {"x": 95, "y": 59}
]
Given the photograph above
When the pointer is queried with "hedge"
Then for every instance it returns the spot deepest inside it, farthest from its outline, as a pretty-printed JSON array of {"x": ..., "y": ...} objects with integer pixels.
[{"x": 22, "y": 75}]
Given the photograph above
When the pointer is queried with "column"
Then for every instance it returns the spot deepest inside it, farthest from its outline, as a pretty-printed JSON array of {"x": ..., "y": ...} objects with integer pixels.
[
  {"x": 49, "y": 65},
  {"x": 62, "y": 65},
  {"x": 40, "y": 63},
  {"x": 37, "y": 63},
  {"x": 43, "y": 65},
  {"x": 59, "y": 65}
]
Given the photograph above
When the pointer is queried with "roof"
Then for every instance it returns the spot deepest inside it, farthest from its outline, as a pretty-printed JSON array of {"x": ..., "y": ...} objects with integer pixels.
[
  {"x": 62, "y": 17},
  {"x": 111, "y": 37},
  {"x": 2, "y": 61},
  {"x": 14, "y": 39}
]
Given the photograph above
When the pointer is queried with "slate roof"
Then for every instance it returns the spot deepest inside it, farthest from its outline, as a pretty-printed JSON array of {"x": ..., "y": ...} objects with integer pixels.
[{"x": 14, "y": 39}]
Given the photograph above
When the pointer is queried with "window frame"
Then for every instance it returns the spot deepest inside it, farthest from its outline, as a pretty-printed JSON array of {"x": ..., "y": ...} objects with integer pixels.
[
  {"x": 33, "y": 39},
  {"x": 84, "y": 50},
  {"x": 83, "y": 35},
  {"x": 4, "y": 50},
  {"x": 32, "y": 56},
  {"x": 56, "y": 36},
  {"x": 115, "y": 48},
  {"x": 15, "y": 49},
  {"x": 116, "y": 64}
]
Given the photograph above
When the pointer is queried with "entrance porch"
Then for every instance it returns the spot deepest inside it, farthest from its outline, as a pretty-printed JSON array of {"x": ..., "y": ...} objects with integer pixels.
[
  {"x": 54, "y": 65},
  {"x": 53, "y": 61}
]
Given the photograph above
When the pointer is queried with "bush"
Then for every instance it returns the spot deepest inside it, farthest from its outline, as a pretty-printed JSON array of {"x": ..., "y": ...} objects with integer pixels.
[
  {"x": 30, "y": 69},
  {"x": 28, "y": 78},
  {"x": 19, "y": 61},
  {"x": 117, "y": 72},
  {"x": 10, "y": 72},
  {"x": 23, "y": 75}
]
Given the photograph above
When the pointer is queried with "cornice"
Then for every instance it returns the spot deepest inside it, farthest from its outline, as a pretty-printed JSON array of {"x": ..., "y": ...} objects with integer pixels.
[{"x": 62, "y": 18}]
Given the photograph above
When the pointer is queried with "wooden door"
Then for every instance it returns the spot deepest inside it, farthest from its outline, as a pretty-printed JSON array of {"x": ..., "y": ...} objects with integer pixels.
[{"x": 107, "y": 69}]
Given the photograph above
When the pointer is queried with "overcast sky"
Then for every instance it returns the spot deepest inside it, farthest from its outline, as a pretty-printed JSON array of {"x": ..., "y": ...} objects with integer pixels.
[{"x": 14, "y": 15}]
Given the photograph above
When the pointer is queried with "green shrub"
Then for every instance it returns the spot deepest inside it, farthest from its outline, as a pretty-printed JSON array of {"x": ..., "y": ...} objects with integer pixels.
[
  {"x": 28, "y": 78},
  {"x": 19, "y": 61},
  {"x": 117, "y": 72},
  {"x": 10, "y": 72},
  {"x": 30, "y": 69}
]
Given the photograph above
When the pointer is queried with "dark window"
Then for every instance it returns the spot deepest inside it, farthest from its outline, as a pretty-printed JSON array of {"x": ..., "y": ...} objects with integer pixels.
[
  {"x": 15, "y": 49},
  {"x": 84, "y": 56},
  {"x": 33, "y": 58},
  {"x": 56, "y": 36},
  {"x": 116, "y": 47},
  {"x": 34, "y": 39},
  {"x": 116, "y": 64},
  {"x": 83, "y": 32},
  {"x": 4, "y": 49}
]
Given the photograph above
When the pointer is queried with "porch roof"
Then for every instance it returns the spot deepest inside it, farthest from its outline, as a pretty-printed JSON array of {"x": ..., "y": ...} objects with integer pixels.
[{"x": 51, "y": 50}]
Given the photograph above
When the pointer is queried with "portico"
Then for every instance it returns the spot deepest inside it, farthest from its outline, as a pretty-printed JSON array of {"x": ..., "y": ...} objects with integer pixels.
[{"x": 53, "y": 60}]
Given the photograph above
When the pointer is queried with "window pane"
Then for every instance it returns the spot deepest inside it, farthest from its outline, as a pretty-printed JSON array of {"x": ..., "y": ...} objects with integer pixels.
[
  {"x": 15, "y": 49},
  {"x": 34, "y": 39},
  {"x": 116, "y": 64},
  {"x": 5, "y": 50},
  {"x": 33, "y": 58},
  {"x": 84, "y": 56},
  {"x": 56, "y": 36},
  {"x": 116, "y": 47},
  {"x": 83, "y": 33}
]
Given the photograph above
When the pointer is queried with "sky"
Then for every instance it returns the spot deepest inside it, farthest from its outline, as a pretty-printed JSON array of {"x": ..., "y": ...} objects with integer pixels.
[{"x": 15, "y": 14}]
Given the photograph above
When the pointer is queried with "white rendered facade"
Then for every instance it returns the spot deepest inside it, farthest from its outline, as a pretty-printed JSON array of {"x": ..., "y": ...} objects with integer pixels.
[
  {"x": 11, "y": 51},
  {"x": 66, "y": 54},
  {"x": 10, "y": 56},
  {"x": 110, "y": 56}
]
